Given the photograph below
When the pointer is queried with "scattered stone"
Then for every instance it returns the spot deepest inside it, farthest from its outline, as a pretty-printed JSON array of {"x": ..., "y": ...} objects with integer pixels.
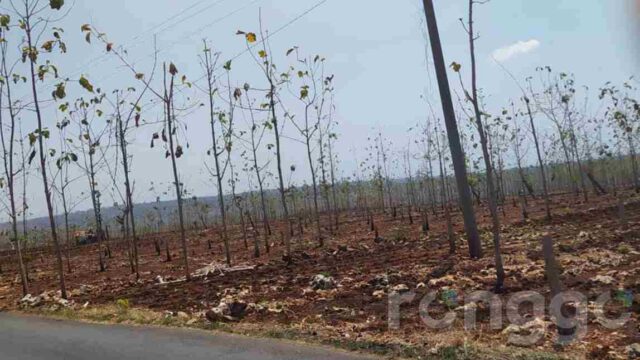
[
  {"x": 536, "y": 327},
  {"x": 604, "y": 279},
  {"x": 322, "y": 282},
  {"x": 467, "y": 307},
  {"x": 227, "y": 311},
  {"x": 54, "y": 300},
  {"x": 378, "y": 294},
  {"x": 30, "y": 300},
  {"x": 583, "y": 235},
  {"x": 401, "y": 288},
  {"x": 633, "y": 351},
  {"x": 182, "y": 315}
]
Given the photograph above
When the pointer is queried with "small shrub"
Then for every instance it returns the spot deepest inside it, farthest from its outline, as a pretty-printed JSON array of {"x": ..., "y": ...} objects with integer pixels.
[
  {"x": 624, "y": 249},
  {"x": 399, "y": 234},
  {"x": 123, "y": 305}
]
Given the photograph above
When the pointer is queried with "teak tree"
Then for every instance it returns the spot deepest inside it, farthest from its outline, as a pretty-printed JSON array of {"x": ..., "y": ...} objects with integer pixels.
[{"x": 32, "y": 19}]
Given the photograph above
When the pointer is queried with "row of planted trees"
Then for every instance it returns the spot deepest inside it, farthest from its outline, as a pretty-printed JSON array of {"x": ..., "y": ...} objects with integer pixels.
[
  {"x": 556, "y": 100},
  {"x": 536, "y": 145},
  {"x": 96, "y": 131}
]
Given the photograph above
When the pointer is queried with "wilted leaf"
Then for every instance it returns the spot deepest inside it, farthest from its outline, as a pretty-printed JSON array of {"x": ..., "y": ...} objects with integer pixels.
[
  {"x": 56, "y": 4},
  {"x": 455, "y": 66},
  {"x": 172, "y": 69},
  {"x": 251, "y": 37},
  {"x": 48, "y": 45}
]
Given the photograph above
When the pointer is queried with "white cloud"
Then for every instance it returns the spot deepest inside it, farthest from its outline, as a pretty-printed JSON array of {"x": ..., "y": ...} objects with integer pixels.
[{"x": 510, "y": 51}]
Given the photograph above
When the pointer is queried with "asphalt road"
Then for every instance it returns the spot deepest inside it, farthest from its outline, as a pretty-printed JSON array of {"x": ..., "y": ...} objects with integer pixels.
[{"x": 34, "y": 338}]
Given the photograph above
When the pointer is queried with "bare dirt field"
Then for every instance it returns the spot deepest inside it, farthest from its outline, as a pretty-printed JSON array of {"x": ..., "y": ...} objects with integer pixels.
[{"x": 597, "y": 252}]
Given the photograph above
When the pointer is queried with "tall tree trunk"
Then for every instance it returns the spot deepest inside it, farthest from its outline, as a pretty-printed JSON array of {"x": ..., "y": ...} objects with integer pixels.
[
  {"x": 543, "y": 176},
  {"x": 10, "y": 173},
  {"x": 283, "y": 199},
  {"x": 492, "y": 195},
  {"x": 457, "y": 154},
  {"x": 128, "y": 189},
  {"x": 216, "y": 155},
  {"x": 316, "y": 212},
  {"x": 42, "y": 156},
  {"x": 170, "y": 118}
]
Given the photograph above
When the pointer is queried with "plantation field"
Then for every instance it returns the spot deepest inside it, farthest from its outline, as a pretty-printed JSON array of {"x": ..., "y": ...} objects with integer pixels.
[{"x": 596, "y": 249}]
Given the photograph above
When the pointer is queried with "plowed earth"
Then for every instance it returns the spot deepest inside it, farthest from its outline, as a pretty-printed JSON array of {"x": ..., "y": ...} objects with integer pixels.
[{"x": 597, "y": 252}]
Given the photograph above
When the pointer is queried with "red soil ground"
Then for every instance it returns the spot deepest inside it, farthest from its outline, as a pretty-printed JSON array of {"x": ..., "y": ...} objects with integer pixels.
[{"x": 590, "y": 241}]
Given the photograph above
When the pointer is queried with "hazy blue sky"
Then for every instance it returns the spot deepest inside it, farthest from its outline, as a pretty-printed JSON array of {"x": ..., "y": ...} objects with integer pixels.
[{"x": 374, "y": 48}]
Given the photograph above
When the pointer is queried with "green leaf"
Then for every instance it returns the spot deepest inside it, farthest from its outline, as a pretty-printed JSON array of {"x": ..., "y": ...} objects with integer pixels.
[
  {"x": 60, "y": 93},
  {"x": 5, "y": 20},
  {"x": 86, "y": 84},
  {"x": 227, "y": 65}
]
